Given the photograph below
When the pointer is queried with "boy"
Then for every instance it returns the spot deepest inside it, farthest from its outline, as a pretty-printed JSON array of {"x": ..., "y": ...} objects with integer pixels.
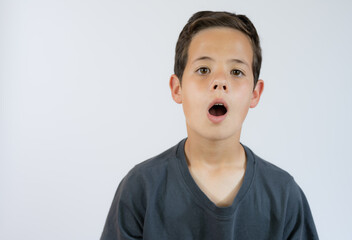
[{"x": 210, "y": 186}]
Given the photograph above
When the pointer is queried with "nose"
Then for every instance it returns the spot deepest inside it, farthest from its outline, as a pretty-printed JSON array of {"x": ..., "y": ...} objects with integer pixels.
[{"x": 219, "y": 84}]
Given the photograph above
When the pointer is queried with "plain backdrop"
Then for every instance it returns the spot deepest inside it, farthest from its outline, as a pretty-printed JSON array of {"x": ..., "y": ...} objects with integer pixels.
[{"x": 85, "y": 97}]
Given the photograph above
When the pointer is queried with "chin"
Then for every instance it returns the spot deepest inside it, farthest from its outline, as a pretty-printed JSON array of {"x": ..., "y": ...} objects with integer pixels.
[
  {"x": 219, "y": 135},
  {"x": 213, "y": 133}
]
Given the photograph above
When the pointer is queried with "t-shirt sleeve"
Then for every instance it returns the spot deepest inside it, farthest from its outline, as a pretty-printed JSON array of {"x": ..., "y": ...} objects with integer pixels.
[
  {"x": 125, "y": 217},
  {"x": 299, "y": 222}
]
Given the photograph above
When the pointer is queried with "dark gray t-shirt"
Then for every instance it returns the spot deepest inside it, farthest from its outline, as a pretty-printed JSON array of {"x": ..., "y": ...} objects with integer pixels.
[{"x": 159, "y": 200}]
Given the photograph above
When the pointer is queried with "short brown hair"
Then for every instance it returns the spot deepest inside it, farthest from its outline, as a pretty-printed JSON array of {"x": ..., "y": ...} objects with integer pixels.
[{"x": 207, "y": 19}]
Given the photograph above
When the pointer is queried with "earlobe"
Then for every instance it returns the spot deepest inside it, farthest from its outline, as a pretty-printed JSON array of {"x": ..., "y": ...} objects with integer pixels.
[
  {"x": 175, "y": 87},
  {"x": 257, "y": 92}
]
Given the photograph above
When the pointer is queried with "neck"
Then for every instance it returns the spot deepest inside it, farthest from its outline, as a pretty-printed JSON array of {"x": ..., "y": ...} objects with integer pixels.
[{"x": 214, "y": 153}]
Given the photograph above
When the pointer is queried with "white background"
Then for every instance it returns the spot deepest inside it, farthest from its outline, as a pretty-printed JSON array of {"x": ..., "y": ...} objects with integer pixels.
[{"x": 85, "y": 97}]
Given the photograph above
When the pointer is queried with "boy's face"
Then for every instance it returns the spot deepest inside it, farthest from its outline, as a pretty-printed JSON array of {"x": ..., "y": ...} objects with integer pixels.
[{"x": 218, "y": 71}]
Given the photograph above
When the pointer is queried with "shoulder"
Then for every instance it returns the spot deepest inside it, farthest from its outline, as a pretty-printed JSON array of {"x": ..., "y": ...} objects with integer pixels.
[
  {"x": 149, "y": 173},
  {"x": 127, "y": 211},
  {"x": 278, "y": 180},
  {"x": 278, "y": 191},
  {"x": 156, "y": 164},
  {"x": 266, "y": 171},
  {"x": 270, "y": 182},
  {"x": 142, "y": 181}
]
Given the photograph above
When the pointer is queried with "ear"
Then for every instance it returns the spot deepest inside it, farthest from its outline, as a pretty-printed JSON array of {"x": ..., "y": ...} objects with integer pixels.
[
  {"x": 257, "y": 92},
  {"x": 175, "y": 87}
]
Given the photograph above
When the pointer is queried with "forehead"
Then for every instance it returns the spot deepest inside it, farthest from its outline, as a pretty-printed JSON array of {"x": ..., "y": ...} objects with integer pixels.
[{"x": 221, "y": 42}]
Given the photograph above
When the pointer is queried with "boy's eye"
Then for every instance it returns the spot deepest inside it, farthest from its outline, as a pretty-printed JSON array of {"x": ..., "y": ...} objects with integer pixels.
[
  {"x": 203, "y": 70},
  {"x": 236, "y": 72}
]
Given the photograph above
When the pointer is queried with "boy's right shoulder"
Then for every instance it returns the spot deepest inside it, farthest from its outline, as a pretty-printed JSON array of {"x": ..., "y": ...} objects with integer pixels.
[{"x": 155, "y": 167}]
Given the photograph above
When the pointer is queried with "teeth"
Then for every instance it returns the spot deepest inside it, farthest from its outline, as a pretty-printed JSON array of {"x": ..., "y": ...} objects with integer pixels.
[{"x": 219, "y": 104}]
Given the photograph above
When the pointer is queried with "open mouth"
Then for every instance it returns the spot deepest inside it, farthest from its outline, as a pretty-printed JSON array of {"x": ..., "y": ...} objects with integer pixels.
[{"x": 218, "y": 109}]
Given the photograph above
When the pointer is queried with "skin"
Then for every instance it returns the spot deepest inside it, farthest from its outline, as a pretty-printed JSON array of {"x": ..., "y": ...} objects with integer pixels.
[{"x": 219, "y": 66}]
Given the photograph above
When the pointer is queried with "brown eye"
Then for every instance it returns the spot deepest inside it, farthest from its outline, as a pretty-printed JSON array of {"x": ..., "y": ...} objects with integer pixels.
[
  {"x": 203, "y": 70},
  {"x": 236, "y": 72}
]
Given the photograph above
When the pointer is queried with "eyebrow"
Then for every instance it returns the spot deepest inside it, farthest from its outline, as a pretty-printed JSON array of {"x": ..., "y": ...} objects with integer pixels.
[{"x": 231, "y": 60}]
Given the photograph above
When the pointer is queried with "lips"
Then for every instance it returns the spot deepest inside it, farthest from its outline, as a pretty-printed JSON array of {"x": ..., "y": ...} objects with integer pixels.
[{"x": 217, "y": 110}]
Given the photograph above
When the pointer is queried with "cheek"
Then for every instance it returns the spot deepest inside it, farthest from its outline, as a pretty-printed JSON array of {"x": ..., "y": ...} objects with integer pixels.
[
  {"x": 193, "y": 102},
  {"x": 243, "y": 96},
  {"x": 193, "y": 94}
]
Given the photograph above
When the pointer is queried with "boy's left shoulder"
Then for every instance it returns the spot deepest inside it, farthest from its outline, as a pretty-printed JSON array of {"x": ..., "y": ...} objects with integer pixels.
[
  {"x": 267, "y": 172},
  {"x": 283, "y": 199},
  {"x": 269, "y": 169}
]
